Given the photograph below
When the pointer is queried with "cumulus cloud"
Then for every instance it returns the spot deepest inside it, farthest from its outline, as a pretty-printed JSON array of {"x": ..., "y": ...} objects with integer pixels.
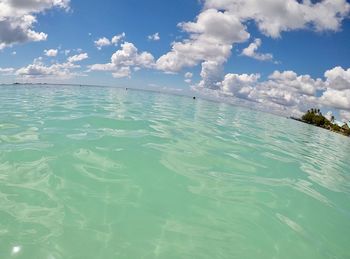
[
  {"x": 51, "y": 52},
  {"x": 154, "y": 37},
  {"x": 338, "y": 78},
  {"x": 285, "y": 90},
  {"x": 124, "y": 59},
  {"x": 250, "y": 51},
  {"x": 222, "y": 24},
  {"x": 18, "y": 17},
  {"x": 339, "y": 99},
  {"x": 115, "y": 39},
  {"x": 103, "y": 42},
  {"x": 277, "y": 16},
  {"x": 40, "y": 70},
  {"x": 345, "y": 115},
  {"x": 210, "y": 39},
  {"x": 188, "y": 77},
  {"x": 211, "y": 73},
  {"x": 78, "y": 57},
  {"x": 210, "y": 42},
  {"x": 57, "y": 71},
  {"x": 302, "y": 84},
  {"x": 7, "y": 71},
  {"x": 238, "y": 85},
  {"x": 290, "y": 91},
  {"x": 271, "y": 92},
  {"x": 337, "y": 92}
]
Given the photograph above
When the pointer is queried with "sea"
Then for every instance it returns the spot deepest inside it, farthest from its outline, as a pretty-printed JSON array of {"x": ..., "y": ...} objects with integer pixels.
[{"x": 107, "y": 172}]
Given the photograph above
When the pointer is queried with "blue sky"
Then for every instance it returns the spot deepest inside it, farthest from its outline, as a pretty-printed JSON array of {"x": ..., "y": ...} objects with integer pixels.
[{"x": 276, "y": 54}]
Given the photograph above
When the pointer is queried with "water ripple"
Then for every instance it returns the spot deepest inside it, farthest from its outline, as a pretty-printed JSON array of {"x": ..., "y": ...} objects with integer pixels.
[{"x": 93, "y": 172}]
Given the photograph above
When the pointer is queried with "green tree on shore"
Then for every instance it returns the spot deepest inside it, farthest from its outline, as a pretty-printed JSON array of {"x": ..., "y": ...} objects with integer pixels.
[{"x": 315, "y": 117}]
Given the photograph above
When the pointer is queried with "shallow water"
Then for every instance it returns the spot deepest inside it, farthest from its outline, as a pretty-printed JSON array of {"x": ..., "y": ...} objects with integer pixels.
[{"x": 92, "y": 172}]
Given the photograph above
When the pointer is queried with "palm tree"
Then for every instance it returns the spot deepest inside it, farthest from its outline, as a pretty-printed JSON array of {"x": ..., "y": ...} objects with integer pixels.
[{"x": 332, "y": 119}]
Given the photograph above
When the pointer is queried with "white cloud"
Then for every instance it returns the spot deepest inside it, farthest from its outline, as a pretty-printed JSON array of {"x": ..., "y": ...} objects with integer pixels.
[
  {"x": 239, "y": 85},
  {"x": 154, "y": 37},
  {"x": 128, "y": 55},
  {"x": 250, "y": 51},
  {"x": 338, "y": 78},
  {"x": 344, "y": 115},
  {"x": 275, "y": 16},
  {"x": 78, "y": 57},
  {"x": 222, "y": 23},
  {"x": 57, "y": 71},
  {"x": 51, "y": 52},
  {"x": 188, "y": 77},
  {"x": 210, "y": 42},
  {"x": 7, "y": 71},
  {"x": 290, "y": 91},
  {"x": 210, "y": 39},
  {"x": 337, "y": 94},
  {"x": 124, "y": 59},
  {"x": 102, "y": 42},
  {"x": 270, "y": 92},
  {"x": 339, "y": 99},
  {"x": 302, "y": 84},
  {"x": 17, "y": 19},
  {"x": 282, "y": 91},
  {"x": 115, "y": 39},
  {"x": 211, "y": 73},
  {"x": 121, "y": 72}
]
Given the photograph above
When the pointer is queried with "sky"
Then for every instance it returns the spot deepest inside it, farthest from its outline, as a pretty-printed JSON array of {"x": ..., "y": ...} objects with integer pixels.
[{"x": 278, "y": 55}]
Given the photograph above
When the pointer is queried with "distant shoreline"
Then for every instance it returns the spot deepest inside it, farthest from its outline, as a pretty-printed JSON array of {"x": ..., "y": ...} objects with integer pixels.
[{"x": 340, "y": 131}]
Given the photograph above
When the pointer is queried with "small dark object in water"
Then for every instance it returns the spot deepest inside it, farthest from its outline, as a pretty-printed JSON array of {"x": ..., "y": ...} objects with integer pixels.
[
  {"x": 126, "y": 89},
  {"x": 194, "y": 97}
]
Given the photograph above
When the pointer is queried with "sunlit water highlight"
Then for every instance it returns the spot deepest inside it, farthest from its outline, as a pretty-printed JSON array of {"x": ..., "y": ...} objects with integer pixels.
[{"x": 92, "y": 172}]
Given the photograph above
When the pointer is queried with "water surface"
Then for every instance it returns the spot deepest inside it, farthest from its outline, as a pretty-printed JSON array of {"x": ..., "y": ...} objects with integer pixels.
[{"x": 93, "y": 172}]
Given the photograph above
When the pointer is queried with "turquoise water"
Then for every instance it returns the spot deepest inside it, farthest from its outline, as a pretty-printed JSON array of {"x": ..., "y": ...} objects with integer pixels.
[{"x": 93, "y": 172}]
